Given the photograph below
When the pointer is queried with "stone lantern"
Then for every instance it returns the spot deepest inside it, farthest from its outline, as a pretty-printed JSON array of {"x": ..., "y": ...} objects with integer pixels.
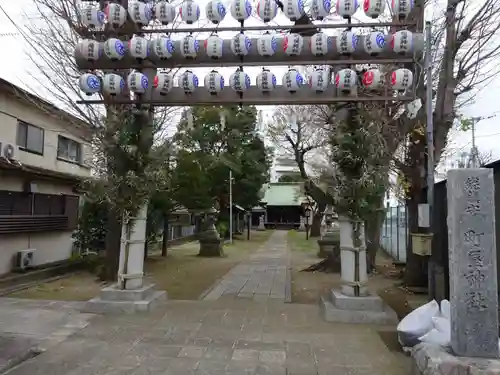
[
  {"x": 211, "y": 245},
  {"x": 329, "y": 242}
]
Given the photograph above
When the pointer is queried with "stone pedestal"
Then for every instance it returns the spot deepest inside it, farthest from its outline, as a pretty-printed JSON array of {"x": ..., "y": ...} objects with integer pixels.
[
  {"x": 302, "y": 226},
  {"x": 261, "y": 226},
  {"x": 211, "y": 245},
  {"x": 328, "y": 246}
]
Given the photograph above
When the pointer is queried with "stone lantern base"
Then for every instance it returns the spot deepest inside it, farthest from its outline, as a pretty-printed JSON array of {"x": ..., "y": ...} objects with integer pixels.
[
  {"x": 211, "y": 247},
  {"x": 329, "y": 246}
]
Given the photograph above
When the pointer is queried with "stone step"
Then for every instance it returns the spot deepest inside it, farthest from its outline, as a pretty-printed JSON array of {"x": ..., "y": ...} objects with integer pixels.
[
  {"x": 370, "y": 302},
  {"x": 100, "y": 306},
  {"x": 333, "y": 314},
  {"x": 113, "y": 293}
]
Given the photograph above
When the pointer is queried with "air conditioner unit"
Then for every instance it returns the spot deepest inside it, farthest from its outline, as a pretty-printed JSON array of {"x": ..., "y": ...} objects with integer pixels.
[
  {"x": 9, "y": 151},
  {"x": 24, "y": 259}
]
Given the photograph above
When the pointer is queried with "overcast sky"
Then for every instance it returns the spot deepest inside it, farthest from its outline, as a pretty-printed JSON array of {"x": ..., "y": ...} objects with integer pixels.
[{"x": 14, "y": 66}]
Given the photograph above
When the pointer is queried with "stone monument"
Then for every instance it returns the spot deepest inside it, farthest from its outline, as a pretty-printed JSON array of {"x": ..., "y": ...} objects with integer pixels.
[
  {"x": 473, "y": 280},
  {"x": 302, "y": 226},
  {"x": 353, "y": 303},
  {"x": 211, "y": 245},
  {"x": 261, "y": 226},
  {"x": 329, "y": 244},
  {"x": 130, "y": 294}
]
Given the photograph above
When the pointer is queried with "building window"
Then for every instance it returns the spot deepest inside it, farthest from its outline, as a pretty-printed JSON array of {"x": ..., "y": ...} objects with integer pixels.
[
  {"x": 30, "y": 137},
  {"x": 68, "y": 149}
]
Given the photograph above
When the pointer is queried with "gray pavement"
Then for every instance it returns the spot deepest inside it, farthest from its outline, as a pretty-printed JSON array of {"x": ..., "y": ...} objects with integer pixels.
[{"x": 262, "y": 277}]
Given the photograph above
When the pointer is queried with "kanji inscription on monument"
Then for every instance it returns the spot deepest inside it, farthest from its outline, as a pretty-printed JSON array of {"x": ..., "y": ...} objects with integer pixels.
[{"x": 472, "y": 255}]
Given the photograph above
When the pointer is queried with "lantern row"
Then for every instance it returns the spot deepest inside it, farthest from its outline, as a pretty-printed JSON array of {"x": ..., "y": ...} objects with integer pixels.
[
  {"x": 189, "y": 12},
  {"x": 213, "y": 51},
  {"x": 346, "y": 80}
]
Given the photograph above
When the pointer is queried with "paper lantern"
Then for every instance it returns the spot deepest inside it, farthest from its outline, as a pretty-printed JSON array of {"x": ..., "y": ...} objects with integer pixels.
[
  {"x": 163, "y": 83},
  {"x": 293, "y": 9},
  {"x": 347, "y": 8},
  {"x": 347, "y": 42},
  {"x": 189, "y": 47},
  {"x": 401, "y": 79},
  {"x": 164, "y": 12},
  {"x": 162, "y": 47},
  {"x": 292, "y": 45},
  {"x": 267, "y": 45},
  {"x": 373, "y": 8},
  {"x": 402, "y": 42},
  {"x": 241, "y": 9},
  {"x": 188, "y": 81},
  {"x": 320, "y": 9},
  {"x": 114, "y": 49},
  {"x": 116, "y": 14},
  {"x": 319, "y": 44},
  {"x": 401, "y": 8},
  {"x": 346, "y": 80},
  {"x": 140, "y": 13},
  {"x": 89, "y": 83},
  {"x": 189, "y": 12},
  {"x": 373, "y": 79},
  {"x": 292, "y": 80},
  {"x": 241, "y": 44},
  {"x": 213, "y": 46},
  {"x": 89, "y": 49},
  {"x": 92, "y": 17},
  {"x": 239, "y": 81},
  {"x": 215, "y": 11},
  {"x": 318, "y": 80},
  {"x": 214, "y": 82},
  {"x": 113, "y": 84},
  {"x": 266, "y": 81},
  {"x": 267, "y": 10},
  {"x": 137, "y": 82},
  {"x": 138, "y": 48},
  {"x": 374, "y": 42}
]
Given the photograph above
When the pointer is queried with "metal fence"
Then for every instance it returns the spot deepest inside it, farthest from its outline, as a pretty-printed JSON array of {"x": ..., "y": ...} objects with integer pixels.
[{"x": 394, "y": 236}]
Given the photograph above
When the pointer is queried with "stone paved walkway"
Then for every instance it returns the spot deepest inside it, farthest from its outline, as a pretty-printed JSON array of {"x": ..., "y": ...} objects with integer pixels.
[{"x": 262, "y": 277}]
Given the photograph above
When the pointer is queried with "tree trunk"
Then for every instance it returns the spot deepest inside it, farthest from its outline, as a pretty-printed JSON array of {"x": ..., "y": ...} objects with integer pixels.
[
  {"x": 164, "y": 242},
  {"x": 113, "y": 242},
  {"x": 373, "y": 228},
  {"x": 316, "y": 222}
]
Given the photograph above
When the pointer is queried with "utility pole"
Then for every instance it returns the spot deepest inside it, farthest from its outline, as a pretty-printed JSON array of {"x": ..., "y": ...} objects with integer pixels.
[{"x": 230, "y": 206}]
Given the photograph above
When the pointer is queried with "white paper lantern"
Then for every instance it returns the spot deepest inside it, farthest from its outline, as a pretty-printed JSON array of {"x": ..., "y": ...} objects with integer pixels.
[
  {"x": 320, "y": 9},
  {"x": 241, "y": 9},
  {"x": 401, "y": 79},
  {"x": 213, "y": 46},
  {"x": 189, "y": 12},
  {"x": 215, "y": 11},
  {"x": 92, "y": 17},
  {"x": 373, "y": 79},
  {"x": 116, "y": 14},
  {"x": 346, "y": 80},
  {"x": 189, "y": 47},
  {"x": 138, "y": 48},
  {"x": 267, "y": 10},
  {"x": 293, "y": 9},
  {"x": 162, "y": 47},
  {"x": 140, "y": 13},
  {"x": 163, "y": 83},
  {"x": 374, "y": 42},
  {"x": 319, "y": 81},
  {"x": 402, "y": 42},
  {"x": 89, "y": 83},
  {"x": 241, "y": 44},
  {"x": 402, "y": 8},
  {"x": 214, "y": 82},
  {"x": 319, "y": 45},
  {"x": 89, "y": 49},
  {"x": 114, "y": 49},
  {"x": 239, "y": 81},
  {"x": 292, "y": 80},
  {"x": 267, "y": 45},
  {"x": 292, "y": 45},
  {"x": 373, "y": 8},
  {"x": 137, "y": 82},
  {"x": 113, "y": 84},
  {"x": 347, "y": 8},
  {"x": 164, "y": 12},
  {"x": 188, "y": 81},
  {"x": 266, "y": 81},
  {"x": 347, "y": 42}
]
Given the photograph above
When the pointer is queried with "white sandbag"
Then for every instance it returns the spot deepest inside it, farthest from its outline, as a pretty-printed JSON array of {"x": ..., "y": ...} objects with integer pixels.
[
  {"x": 435, "y": 337},
  {"x": 419, "y": 321},
  {"x": 445, "y": 309}
]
